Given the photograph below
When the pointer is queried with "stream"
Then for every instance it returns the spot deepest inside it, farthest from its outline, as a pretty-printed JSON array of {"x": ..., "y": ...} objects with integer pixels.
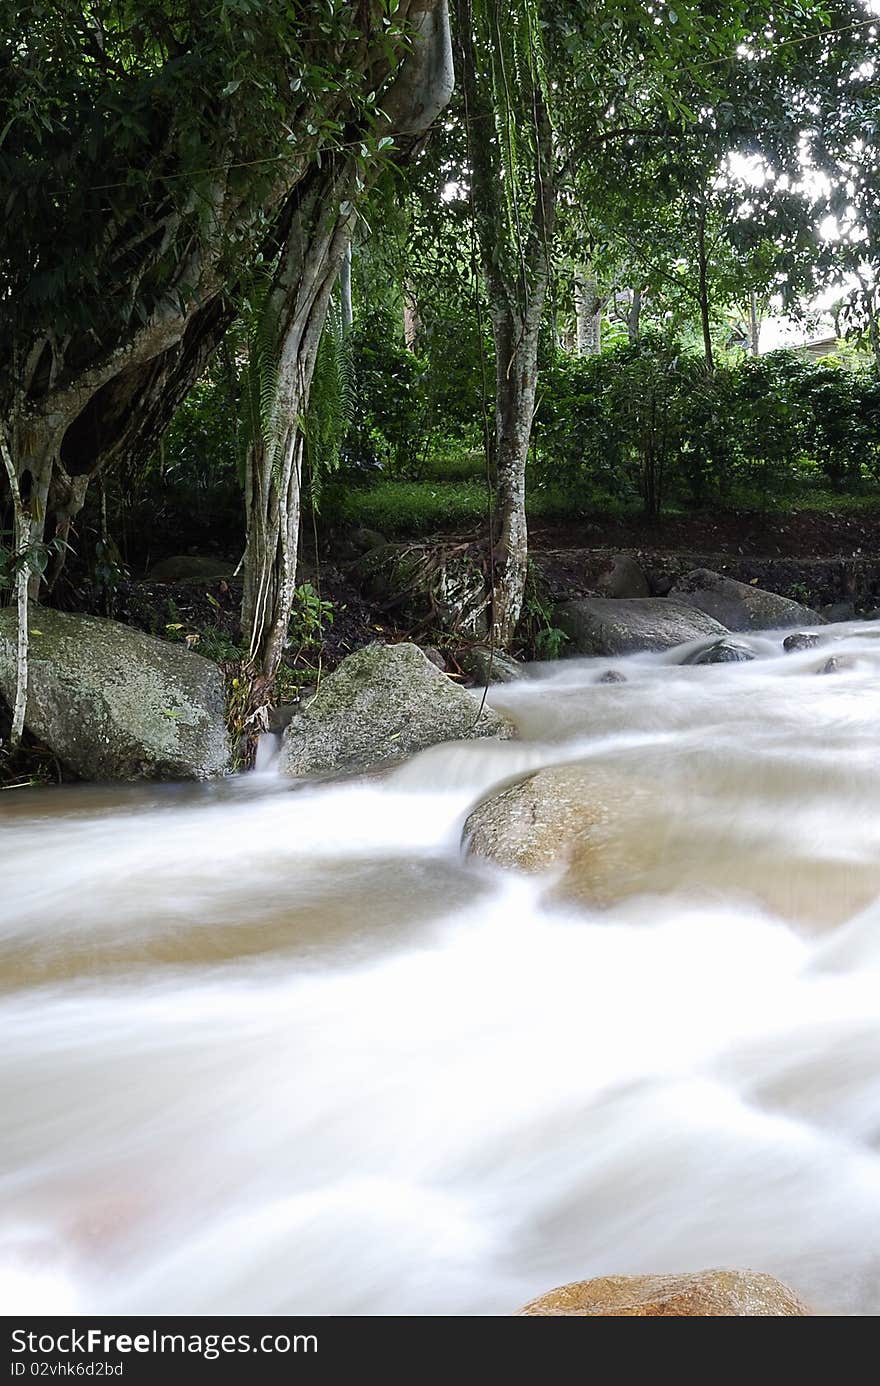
[{"x": 277, "y": 1047}]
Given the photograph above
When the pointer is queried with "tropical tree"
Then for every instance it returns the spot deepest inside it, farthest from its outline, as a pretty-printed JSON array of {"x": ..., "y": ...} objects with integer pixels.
[{"x": 150, "y": 153}]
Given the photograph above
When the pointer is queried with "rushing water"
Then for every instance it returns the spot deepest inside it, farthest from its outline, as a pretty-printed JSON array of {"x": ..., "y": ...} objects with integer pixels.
[{"x": 273, "y": 1047}]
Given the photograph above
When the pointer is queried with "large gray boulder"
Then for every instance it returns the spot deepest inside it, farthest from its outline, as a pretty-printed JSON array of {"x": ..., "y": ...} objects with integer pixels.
[
  {"x": 115, "y": 704},
  {"x": 619, "y": 626},
  {"x": 740, "y": 605},
  {"x": 382, "y": 703}
]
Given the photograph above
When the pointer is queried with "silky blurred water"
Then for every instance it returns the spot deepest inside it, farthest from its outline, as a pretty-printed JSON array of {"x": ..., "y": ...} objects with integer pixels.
[{"x": 270, "y": 1047}]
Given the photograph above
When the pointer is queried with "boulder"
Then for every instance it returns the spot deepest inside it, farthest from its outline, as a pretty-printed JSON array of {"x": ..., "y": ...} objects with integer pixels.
[
  {"x": 700, "y": 1294},
  {"x": 803, "y": 640},
  {"x": 839, "y": 611},
  {"x": 382, "y": 703},
  {"x": 437, "y": 659},
  {"x": 190, "y": 567},
  {"x": 622, "y": 576},
  {"x": 365, "y": 540},
  {"x": 485, "y": 665},
  {"x": 740, "y": 605},
  {"x": 115, "y": 704},
  {"x": 721, "y": 652},
  {"x": 427, "y": 585},
  {"x": 619, "y": 626},
  {"x": 579, "y": 817}
]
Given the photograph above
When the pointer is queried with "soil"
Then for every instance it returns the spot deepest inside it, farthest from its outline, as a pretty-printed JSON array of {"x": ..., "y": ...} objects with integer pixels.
[{"x": 802, "y": 534}]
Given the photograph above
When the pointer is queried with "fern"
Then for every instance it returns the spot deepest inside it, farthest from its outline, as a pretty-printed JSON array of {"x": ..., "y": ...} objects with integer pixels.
[
  {"x": 260, "y": 425},
  {"x": 331, "y": 402}
]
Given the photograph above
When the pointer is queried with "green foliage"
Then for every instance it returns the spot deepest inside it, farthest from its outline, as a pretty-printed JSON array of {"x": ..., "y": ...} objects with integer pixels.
[
  {"x": 648, "y": 419},
  {"x": 541, "y": 638},
  {"x": 36, "y": 558},
  {"x": 389, "y": 415},
  {"x": 617, "y": 419},
  {"x": 411, "y": 507},
  {"x": 843, "y": 424},
  {"x": 117, "y": 118},
  {"x": 330, "y": 407},
  {"x": 311, "y": 613}
]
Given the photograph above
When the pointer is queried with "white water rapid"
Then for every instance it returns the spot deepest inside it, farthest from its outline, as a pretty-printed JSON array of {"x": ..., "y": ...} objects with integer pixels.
[{"x": 272, "y": 1047}]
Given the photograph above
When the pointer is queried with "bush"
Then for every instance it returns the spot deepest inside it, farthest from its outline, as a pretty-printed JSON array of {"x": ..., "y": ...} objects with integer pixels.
[
  {"x": 389, "y": 412},
  {"x": 646, "y": 419}
]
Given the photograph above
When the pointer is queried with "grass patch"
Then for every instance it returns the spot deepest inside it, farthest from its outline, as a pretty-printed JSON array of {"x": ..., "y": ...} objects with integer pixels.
[
  {"x": 466, "y": 465},
  {"x": 410, "y": 507}
]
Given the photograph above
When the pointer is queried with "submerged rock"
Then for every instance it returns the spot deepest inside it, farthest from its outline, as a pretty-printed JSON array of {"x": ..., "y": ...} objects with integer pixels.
[
  {"x": 721, "y": 652},
  {"x": 700, "y": 1294},
  {"x": 612, "y": 676},
  {"x": 115, "y": 704},
  {"x": 804, "y": 640},
  {"x": 740, "y": 605},
  {"x": 584, "y": 820},
  {"x": 382, "y": 703},
  {"x": 836, "y": 665},
  {"x": 617, "y": 626},
  {"x": 485, "y": 665}
]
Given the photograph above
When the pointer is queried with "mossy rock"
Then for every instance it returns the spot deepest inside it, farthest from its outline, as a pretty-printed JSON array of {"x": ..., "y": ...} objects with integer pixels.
[
  {"x": 383, "y": 703},
  {"x": 113, "y": 703}
]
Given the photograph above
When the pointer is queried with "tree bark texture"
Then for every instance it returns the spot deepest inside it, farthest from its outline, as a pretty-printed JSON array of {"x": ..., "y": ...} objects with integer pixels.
[
  {"x": 317, "y": 242},
  {"x": 516, "y": 271}
]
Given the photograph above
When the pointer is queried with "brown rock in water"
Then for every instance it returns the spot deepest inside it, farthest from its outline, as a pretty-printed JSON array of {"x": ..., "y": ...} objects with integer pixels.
[
  {"x": 596, "y": 825},
  {"x": 701, "y": 1294}
]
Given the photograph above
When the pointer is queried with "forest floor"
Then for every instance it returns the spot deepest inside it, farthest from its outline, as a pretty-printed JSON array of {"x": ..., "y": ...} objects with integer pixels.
[{"x": 804, "y": 534}]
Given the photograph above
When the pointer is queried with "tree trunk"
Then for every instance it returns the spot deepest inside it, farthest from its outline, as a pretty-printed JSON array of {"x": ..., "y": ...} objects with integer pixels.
[
  {"x": 317, "y": 242},
  {"x": 754, "y": 325},
  {"x": 516, "y": 352},
  {"x": 345, "y": 289},
  {"x": 412, "y": 323},
  {"x": 515, "y": 262},
  {"x": 705, "y": 313},
  {"x": 296, "y": 310},
  {"x": 633, "y": 317},
  {"x": 588, "y": 313},
  {"x": 22, "y": 548}
]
